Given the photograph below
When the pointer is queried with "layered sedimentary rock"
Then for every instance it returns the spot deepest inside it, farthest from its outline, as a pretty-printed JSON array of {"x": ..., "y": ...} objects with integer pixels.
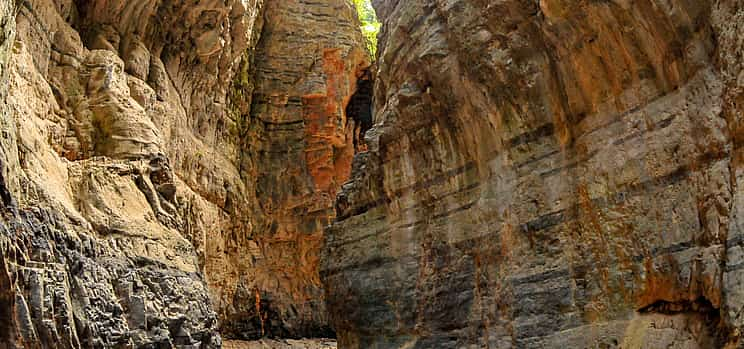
[
  {"x": 144, "y": 203},
  {"x": 546, "y": 174}
]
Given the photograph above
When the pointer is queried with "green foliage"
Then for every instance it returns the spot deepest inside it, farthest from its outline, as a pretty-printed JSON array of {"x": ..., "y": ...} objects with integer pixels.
[{"x": 370, "y": 26}]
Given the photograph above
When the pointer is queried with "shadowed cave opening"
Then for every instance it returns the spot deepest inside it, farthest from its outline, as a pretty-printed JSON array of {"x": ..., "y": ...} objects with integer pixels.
[
  {"x": 712, "y": 331},
  {"x": 359, "y": 109}
]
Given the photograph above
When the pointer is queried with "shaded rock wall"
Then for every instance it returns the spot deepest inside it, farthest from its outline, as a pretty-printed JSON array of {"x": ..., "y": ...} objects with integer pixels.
[
  {"x": 545, "y": 174},
  {"x": 298, "y": 151}
]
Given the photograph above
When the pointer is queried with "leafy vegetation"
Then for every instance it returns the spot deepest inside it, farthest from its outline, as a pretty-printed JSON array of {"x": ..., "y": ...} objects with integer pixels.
[{"x": 370, "y": 26}]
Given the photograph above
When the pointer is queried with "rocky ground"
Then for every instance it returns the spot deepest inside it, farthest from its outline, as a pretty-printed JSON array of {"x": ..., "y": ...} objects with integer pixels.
[{"x": 282, "y": 344}]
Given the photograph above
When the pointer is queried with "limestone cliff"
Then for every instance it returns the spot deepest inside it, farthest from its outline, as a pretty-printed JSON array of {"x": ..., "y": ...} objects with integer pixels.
[
  {"x": 168, "y": 167},
  {"x": 546, "y": 174}
]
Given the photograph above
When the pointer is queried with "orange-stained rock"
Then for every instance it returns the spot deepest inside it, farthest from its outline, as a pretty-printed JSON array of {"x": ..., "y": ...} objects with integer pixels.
[
  {"x": 297, "y": 153},
  {"x": 329, "y": 150}
]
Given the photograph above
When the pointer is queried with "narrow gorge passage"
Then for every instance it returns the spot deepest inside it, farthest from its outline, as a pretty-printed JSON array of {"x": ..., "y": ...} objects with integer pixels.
[
  {"x": 300, "y": 145},
  {"x": 274, "y": 174}
]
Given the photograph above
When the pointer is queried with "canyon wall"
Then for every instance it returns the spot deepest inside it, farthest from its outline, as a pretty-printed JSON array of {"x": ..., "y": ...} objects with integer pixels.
[
  {"x": 546, "y": 174},
  {"x": 297, "y": 150},
  {"x": 167, "y": 169}
]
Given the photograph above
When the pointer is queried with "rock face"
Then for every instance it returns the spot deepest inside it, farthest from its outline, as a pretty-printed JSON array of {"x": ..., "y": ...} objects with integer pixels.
[
  {"x": 298, "y": 151},
  {"x": 546, "y": 174},
  {"x": 148, "y": 199},
  {"x": 540, "y": 174},
  {"x": 97, "y": 249}
]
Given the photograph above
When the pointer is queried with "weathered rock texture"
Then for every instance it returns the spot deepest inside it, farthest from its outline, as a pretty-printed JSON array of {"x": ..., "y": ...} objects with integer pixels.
[
  {"x": 146, "y": 201},
  {"x": 298, "y": 151},
  {"x": 96, "y": 247},
  {"x": 547, "y": 174}
]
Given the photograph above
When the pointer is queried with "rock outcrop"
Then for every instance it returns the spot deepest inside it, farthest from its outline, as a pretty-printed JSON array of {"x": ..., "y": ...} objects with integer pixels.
[
  {"x": 103, "y": 98},
  {"x": 148, "y": 199},
  {"x": 546, "y": 174}
]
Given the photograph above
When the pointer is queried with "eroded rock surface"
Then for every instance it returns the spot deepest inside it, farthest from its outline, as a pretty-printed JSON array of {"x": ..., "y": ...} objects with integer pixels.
[
  {"x": 148, "y": 199},
  {"x": 96, "y": 249},
  {"x": 546, "y": 174},
  {"x": 541, "y": 174},
  {"x": 297, "y": 151}
]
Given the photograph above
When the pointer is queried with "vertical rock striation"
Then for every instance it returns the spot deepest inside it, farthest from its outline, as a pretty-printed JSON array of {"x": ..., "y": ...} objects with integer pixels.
[
  {"x": 297, "y": 151},
  {"x": 545, "y": 174}
]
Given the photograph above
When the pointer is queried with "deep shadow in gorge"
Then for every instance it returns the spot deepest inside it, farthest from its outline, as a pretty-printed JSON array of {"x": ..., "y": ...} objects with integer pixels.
[{"x": 359, "y": 109}]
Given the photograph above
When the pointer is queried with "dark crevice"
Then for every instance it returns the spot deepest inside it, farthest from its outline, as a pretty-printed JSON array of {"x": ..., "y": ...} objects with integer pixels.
[
  {"x": 700, "y": 305},
  {"x": 5, "y": 197},
  {"x": 359, "y": 109},
  {"x": 7, "y": 304},
  {"x": 710, "y": 315}
]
